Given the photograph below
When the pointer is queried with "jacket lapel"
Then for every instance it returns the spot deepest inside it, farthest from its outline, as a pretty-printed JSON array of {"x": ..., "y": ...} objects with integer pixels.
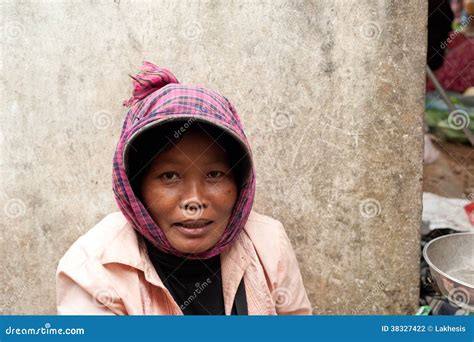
[
  {"x": 234, "y": 263},
  {"x": 239, "y": 261}
]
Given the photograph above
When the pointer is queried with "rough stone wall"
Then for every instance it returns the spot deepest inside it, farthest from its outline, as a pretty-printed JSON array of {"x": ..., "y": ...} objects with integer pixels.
[{"x": 331, "y": 95}]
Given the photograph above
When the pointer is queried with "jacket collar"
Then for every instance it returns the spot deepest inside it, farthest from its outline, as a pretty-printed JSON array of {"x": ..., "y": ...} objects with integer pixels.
[{"x": 128, "y": 248}]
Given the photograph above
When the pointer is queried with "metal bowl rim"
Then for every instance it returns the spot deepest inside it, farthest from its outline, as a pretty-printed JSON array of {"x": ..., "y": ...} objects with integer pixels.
[{"x": 430, "y": 264}]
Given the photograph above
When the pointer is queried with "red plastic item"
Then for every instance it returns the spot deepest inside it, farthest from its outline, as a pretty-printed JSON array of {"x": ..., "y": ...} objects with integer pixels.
[{"x": 469, "y": 208}]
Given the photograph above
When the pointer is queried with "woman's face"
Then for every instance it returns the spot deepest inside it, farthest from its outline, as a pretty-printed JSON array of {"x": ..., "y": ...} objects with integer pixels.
[{"x": 190, "y": 190}]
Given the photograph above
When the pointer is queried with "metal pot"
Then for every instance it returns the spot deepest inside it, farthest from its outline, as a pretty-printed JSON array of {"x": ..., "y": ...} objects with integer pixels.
[{"x": 451, "y": 261}]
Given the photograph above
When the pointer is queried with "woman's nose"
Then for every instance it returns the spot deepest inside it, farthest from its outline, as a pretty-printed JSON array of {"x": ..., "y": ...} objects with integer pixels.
[{"x": 194, "y": 198}]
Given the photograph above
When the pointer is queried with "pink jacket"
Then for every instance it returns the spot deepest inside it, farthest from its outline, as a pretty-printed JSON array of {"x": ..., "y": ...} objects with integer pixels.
[{"x": 107, "y": 272}]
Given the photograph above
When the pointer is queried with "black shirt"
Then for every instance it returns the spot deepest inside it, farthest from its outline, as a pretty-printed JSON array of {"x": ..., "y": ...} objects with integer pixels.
[{"x": 196, "y": 285}]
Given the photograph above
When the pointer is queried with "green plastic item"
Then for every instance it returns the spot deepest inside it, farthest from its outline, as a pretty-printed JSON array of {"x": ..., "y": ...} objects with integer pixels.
[
  {"x": 423, "y": 310},
  {"x": 441, "y": 124}
]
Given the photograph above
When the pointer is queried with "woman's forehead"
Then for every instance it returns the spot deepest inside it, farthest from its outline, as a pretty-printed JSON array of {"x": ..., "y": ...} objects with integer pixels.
[{"x": 194, "y": 147}]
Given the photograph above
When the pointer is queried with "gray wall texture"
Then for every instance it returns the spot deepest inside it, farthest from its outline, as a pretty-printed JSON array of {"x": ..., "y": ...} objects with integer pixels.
[{"x": 331, "y": 94}]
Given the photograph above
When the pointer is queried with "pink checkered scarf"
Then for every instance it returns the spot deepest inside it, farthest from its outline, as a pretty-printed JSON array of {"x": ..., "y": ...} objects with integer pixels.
[{"x": 157, "y": 98}]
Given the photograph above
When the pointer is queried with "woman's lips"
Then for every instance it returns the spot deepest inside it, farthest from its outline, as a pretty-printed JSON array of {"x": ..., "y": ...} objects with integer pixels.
[{"x": 194, "y": 229}]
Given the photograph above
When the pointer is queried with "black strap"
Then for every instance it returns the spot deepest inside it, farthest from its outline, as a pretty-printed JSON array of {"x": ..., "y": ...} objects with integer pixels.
[{"x": 240, "y": 301}]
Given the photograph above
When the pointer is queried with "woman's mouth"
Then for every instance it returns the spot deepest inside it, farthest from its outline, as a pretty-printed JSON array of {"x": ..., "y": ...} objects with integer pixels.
[{"x": 193, "y": 229}]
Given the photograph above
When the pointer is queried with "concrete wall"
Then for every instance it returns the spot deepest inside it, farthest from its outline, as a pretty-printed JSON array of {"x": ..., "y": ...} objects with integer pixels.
[{"x": 331, "y": 94}]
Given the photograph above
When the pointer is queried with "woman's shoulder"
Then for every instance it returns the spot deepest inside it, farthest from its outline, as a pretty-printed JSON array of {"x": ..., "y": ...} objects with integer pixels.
[
  {"x": 278, "y": 258},
  {"x": 269, "y": 239},
  {"x": 263, "y": 227},
  {"x": 89, "y": 279},
  {"x": 98, "y": 240}
]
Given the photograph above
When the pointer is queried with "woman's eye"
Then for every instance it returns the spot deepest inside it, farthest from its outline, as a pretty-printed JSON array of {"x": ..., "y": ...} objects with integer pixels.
[
  {"x": 169, "y": 176},
  {"x": 215, "y": 174}
]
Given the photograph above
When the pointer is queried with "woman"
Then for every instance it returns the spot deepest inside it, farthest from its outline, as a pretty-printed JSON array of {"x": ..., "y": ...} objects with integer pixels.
[{"x": 186, "y": 240}]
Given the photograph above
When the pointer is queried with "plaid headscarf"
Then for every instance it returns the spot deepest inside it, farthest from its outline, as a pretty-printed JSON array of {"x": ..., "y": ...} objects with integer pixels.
[{"x": 158, "y": 98}]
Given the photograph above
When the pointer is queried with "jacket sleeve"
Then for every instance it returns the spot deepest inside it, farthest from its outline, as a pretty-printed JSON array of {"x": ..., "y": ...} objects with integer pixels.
[
  {"x": 74, "y": 299},
  {"x": 290, "y": 295}
]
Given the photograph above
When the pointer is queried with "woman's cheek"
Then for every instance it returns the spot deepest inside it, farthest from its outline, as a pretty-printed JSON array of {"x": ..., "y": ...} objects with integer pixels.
[
  {"x": 225, "y": 194},
  {"x": 160, "y": 200},
  {"x": 167, "y": 197}
]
